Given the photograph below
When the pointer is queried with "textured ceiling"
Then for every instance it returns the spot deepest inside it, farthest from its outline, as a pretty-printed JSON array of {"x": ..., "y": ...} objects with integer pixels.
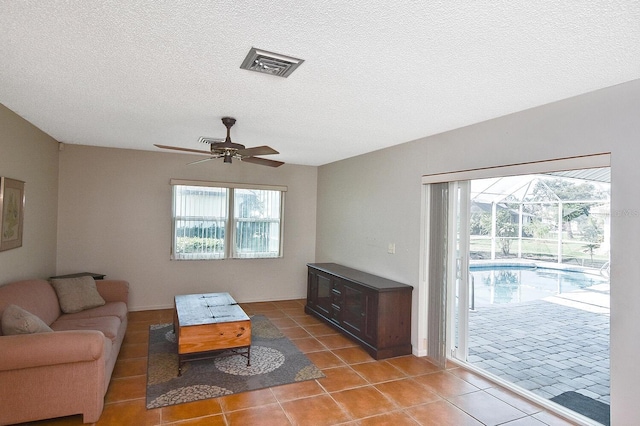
[{"x": 131, "y": 74}]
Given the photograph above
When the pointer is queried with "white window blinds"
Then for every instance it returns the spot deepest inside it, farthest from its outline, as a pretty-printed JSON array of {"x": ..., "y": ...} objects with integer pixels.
[
  {"x": 257, "y": 215},
  {"x": 199, "y": 221},
  {"x": 213, "y": 220}
]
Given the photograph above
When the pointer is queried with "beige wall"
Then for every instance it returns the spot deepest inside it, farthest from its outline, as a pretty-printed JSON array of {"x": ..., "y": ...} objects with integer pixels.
[
  {"x": 30, "y": 155},
  {"x": 115, "y": 218},
  {"x": 366, "y": 202}
]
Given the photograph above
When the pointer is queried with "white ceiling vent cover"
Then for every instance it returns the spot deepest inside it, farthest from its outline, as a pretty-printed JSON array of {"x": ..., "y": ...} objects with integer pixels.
[{"x": 270, "y": 63}]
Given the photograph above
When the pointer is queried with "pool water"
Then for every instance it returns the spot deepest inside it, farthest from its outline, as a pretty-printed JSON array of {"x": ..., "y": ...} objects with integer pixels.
[{"x": 508, "y": 284}]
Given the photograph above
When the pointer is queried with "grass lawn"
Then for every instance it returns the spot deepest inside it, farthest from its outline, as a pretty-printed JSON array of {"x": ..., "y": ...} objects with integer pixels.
[{"x": 574, "y": 252}]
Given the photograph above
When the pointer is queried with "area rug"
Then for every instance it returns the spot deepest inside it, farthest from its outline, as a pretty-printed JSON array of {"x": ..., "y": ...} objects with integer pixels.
[
  {"x": 588, "y": 407},
  {"x": 275, "y": 361}
]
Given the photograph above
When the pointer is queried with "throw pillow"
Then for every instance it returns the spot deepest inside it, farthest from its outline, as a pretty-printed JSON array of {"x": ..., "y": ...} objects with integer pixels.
[
  {"x": 16, "y": 320},
  {"x": 77, "y": 294}
]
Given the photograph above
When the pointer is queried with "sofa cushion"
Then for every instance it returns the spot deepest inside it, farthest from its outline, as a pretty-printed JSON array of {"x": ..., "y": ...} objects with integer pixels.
[
  {"x": 35, "y": 296},
  {"x": 107, "y": 325},
  {"x": 16, "y": 320},
  {"x": 77, "y": 294},
  {"x": 109, "y": 309}
]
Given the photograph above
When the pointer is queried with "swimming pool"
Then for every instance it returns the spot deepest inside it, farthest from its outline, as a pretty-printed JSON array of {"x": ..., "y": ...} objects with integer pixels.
[{"x": 503, "y": 284}]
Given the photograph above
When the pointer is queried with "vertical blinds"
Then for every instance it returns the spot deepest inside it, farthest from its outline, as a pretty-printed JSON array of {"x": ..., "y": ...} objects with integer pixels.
[
  {"x": 214, "y": 220},
  {"x": 437, "y": 280},
  {"x": 200, "y": 222},
  {"x": 257, "y": 223}
]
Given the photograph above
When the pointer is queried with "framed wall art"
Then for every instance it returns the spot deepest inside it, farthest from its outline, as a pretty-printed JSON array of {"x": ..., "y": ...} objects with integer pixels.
[{"x": 11, "y": 213}]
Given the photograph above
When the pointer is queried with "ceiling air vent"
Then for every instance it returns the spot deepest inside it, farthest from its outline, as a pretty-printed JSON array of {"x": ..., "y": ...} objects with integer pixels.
[{"x": 270, "y": 63}]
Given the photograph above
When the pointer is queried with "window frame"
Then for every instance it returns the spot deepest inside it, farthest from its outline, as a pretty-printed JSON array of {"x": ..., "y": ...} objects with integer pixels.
[
  {"x": 230, "y": 233},
  {"x": 212, "y": 217}
]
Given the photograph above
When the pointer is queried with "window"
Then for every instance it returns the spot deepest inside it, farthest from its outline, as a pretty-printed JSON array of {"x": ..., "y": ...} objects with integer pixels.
[
  {"x": 256, "y": 216},
  {"x": 213, "y": 220},
  {"x": 199, "y": 222}
]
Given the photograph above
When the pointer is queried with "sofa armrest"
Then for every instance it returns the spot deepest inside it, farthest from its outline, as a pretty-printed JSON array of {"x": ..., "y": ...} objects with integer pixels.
[
  {"x": 113, "y": 290},
  {"x": 41, "y": 349}
]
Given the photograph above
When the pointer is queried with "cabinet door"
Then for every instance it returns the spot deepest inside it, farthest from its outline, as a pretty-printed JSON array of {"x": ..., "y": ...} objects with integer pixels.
[
  {"x": 312, "y": 288},
  {"x": 323, "y": 294},
  {"x": 370, "y": 318},
  {"x": 360, "y": 312},
  {"x": 353, "y": 308}
]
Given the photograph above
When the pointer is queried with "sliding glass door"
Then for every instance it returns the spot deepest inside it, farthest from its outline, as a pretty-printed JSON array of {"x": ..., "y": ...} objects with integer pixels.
[
  {"x": 459, "y": 278},
  {"x": 518, "y": 285}
]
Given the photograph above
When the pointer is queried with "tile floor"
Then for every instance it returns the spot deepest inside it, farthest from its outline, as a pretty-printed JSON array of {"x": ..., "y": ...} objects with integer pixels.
[{"x": 357, "y": 390}]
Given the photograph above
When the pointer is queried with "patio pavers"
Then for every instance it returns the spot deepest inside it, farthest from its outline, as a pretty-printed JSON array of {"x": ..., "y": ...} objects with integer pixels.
[{"x": 545, "y": 347}]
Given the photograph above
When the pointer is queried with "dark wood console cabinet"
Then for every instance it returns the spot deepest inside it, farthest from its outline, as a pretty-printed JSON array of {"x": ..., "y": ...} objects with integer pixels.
[{"x": 373, "y": 310}]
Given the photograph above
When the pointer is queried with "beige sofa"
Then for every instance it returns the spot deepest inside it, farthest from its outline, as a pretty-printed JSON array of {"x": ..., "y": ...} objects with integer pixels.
[{"x": 66, "y": 371}]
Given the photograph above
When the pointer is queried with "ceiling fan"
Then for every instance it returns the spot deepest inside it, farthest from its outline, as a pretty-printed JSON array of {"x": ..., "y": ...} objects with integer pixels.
[{"x": 224, "y": 148}]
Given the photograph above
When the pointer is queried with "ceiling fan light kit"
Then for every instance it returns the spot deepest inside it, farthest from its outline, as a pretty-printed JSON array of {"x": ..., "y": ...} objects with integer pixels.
[{"x": 229, "y": 150}]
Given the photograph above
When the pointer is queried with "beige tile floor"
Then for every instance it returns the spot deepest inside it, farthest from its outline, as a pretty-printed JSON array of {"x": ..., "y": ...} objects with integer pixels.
[{"x": 357, "y": 389}]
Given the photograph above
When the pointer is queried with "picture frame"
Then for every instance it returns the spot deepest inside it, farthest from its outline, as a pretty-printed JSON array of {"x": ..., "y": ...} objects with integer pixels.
[{"x": 11, "y": 213}]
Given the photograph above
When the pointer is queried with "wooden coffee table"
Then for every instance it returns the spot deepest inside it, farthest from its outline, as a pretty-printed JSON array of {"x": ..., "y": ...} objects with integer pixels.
[{"x": 208, "y": 324}]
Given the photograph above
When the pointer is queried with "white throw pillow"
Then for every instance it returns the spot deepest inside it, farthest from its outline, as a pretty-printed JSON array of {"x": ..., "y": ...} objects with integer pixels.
[
  {"x": 16, "y": 320},
  {"x": 77, "y": 294}
]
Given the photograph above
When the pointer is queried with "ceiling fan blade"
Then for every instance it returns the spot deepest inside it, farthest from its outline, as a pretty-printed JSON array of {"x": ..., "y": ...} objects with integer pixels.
[
  {"x": 201, "y": 161},
  {"x": 263, "y": 161},
  {"x": 183, "y": 149},
  {"x": 258, "y": 150}
]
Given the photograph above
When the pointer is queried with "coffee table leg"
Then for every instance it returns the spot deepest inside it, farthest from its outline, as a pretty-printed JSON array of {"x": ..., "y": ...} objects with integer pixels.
[
  {"x": 179, "y": 366},
  {"x": 249, "y": 356}
]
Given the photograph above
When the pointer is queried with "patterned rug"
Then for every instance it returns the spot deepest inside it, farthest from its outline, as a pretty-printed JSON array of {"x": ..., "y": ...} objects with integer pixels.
[{"x": 275, "y": 361}]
